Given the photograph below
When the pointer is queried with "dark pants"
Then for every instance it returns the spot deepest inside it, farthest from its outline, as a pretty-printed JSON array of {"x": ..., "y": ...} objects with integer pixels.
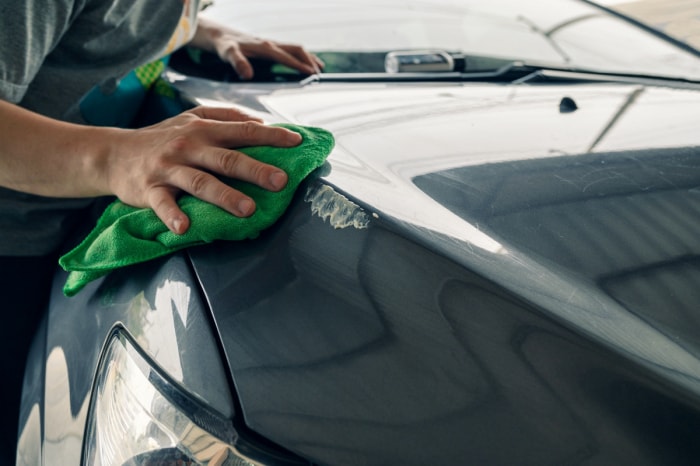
[{"x": 24, "y": 290}]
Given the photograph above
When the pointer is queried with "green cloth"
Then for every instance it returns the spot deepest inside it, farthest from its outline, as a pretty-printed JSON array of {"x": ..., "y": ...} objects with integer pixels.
[{"x": 127, "y": 235}]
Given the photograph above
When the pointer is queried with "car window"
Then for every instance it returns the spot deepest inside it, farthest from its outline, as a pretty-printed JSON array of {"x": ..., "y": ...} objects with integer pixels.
[{"x": 557, "y": 32}]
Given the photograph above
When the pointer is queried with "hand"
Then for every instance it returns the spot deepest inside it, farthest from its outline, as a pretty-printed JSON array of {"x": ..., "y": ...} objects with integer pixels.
[
  {"x": 236, "y": 47},
  {"x": 150, "y": 166}
]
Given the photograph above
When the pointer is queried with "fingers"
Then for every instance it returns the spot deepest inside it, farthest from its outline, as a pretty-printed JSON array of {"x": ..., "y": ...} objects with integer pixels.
[
  {"x": 304, "y": 57},
  {"x": 208, "y": 188},
  {"x": 229, "y": 127},
  {"x": 293, "y": 56},
  {"x": 245, "y": 134},
  {"x": 234, "y": 164},
  {"x": 187, "y": 153},
  {"x": 239, "y": 62},
  {"x": 162, "y": 201},
  {"x": 223, "y": 114},
  {"x": 318, "y": 61},
  {"x": 195, "y": 173}
]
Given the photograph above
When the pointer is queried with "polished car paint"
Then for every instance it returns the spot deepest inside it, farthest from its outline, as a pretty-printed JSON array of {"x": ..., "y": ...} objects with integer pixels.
[
  {"x": 534, "y": 289},
  {"x": 491, "y": 273}
]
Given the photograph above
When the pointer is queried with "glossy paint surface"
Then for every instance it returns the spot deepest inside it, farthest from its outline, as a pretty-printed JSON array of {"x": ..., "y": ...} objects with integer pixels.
[
  {"x": 481, "y": 273},
  {"x": 160, "y": 306},
  {"x": 491, "y": 281},
  {"x": 524, "y": 290}
]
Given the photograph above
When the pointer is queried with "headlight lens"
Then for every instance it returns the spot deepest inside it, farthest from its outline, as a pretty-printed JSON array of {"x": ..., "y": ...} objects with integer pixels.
[{"x": 138, "y": 418}]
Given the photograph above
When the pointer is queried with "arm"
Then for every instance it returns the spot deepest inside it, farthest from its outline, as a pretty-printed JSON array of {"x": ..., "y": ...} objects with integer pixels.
[
  {"x": 146, "y": 167},
  {"x": 236, "y": 47}
]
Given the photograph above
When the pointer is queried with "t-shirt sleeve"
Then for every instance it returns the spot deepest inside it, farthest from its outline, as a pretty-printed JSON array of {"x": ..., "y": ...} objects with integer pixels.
[{"x": 29, "y": 30}]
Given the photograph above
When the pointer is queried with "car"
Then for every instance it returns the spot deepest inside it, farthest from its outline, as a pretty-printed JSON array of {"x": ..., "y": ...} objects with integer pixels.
[{"x": 498, "y": 264}]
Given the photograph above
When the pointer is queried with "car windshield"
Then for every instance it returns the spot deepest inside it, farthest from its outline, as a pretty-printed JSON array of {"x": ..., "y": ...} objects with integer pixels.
[{"x": 559, "y": 33}]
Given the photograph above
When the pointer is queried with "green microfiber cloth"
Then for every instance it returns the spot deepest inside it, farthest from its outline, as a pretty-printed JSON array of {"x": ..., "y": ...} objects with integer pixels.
[{"x": 127, "y": 235}]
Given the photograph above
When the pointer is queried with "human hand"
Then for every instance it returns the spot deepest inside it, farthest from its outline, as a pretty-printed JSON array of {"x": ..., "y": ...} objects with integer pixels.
[
  {"x": 236, "y": 48},
  {"x": 149, "y": 167}
]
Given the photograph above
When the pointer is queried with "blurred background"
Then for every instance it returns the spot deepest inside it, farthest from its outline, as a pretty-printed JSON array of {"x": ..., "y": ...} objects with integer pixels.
[{"x": 678, "y": 18}]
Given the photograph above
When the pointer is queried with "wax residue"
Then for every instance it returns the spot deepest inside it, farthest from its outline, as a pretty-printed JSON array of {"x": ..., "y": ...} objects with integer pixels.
[{"x": 336, "y": 208}]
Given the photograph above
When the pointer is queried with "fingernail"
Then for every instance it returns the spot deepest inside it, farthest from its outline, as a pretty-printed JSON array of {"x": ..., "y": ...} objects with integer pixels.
[
  {"x": 177, "y": 225},
  {"x": 246, "y": 207},
  {"x": 294, "y": 137},
  {"x": 278, "y": 180}
]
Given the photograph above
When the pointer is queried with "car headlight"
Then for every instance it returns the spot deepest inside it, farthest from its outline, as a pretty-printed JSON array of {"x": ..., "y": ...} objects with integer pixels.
[{"x": 138, "y": 417}]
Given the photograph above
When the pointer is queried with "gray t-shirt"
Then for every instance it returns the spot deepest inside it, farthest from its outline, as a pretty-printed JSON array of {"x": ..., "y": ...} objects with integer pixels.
[{"x": 52, "y": 52}]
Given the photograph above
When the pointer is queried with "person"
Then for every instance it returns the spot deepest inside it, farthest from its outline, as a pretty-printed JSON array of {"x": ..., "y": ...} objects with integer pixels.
[{"x": 62, "y": 61}]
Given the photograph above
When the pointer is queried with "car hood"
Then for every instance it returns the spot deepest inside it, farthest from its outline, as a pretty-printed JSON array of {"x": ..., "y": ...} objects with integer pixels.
[
  {"x": 582, "y": 200},
  {"x": 469, "y": 161},
  {"x": 390, "y": 135},
  {"x": 390, "y": 139}
]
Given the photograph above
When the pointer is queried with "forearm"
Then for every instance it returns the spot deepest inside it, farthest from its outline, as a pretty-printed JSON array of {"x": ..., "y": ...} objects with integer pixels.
[
  {"x": 147, "y": 167},
  {"x": 43, "y": 156}
]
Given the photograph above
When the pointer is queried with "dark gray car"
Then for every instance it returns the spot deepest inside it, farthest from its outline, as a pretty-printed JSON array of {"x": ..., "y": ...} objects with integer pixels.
[{"x": 498, "y": 264}]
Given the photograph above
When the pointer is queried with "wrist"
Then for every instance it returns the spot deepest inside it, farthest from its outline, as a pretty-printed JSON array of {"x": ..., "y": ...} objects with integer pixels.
[
  {"x": 206, "y": 35},
  {"x": 96, "y": 149}
]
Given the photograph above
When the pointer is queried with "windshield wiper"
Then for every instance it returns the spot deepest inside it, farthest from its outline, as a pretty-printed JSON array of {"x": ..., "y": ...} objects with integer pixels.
[
  {"x": 507, "y": 73},
  {"x": 515, "y": 72}
]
